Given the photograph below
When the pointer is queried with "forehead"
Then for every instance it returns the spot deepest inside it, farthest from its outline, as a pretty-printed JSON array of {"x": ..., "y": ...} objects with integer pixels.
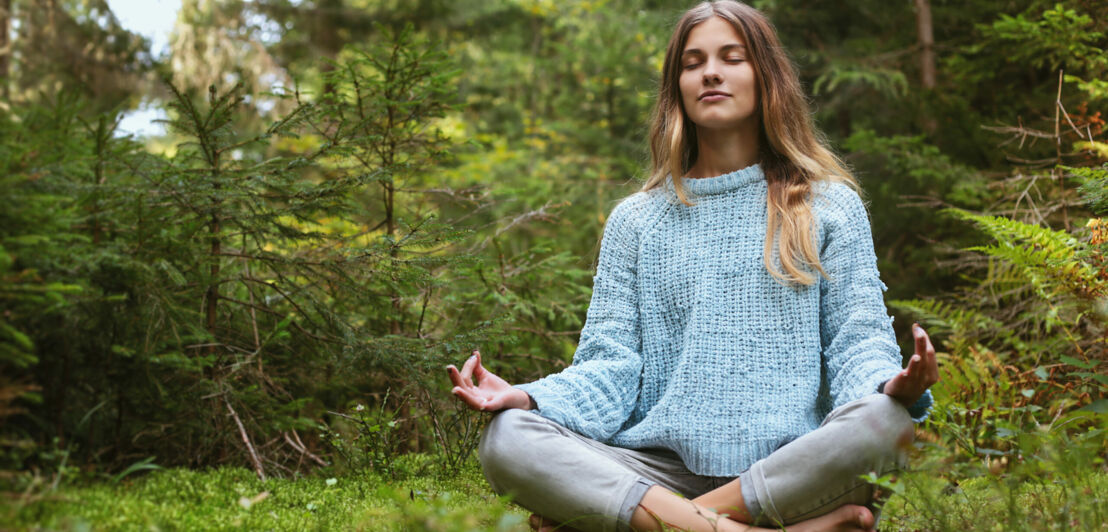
[{"x": 712, "y": 33}]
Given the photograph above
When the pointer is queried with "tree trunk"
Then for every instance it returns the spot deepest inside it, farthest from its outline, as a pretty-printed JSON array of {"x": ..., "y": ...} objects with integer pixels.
[
  {"x": 325, "y": 36},
  {"x": 926, "y": 44},
  {"x": 5, "y": 46},
  {"x": 926, "y": 57},
  {"x": 216, "y": 242},
  {"x": 387, "y": 161},
  {"x": 212, "y": 295}
]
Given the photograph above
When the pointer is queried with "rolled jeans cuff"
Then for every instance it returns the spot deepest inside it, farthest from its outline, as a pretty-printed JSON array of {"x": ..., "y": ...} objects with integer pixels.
[{"x": 630, "y": 502}]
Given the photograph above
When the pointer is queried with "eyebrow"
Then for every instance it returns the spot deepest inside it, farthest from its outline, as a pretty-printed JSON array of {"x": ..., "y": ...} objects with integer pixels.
[{"x": 725, "y": 48}]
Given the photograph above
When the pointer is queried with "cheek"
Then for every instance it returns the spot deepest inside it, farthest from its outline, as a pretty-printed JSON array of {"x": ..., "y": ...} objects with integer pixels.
[
  {"x": 688, "y": 89},
  {"x": 750, "y": 81}
]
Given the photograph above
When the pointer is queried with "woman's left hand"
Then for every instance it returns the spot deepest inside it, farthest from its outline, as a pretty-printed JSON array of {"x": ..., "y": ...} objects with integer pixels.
[{"x": 922, "y": 371}]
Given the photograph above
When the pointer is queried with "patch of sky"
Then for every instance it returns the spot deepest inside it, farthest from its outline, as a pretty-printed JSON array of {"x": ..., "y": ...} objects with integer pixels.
[
  {"x": 141, "y": 122},
  {"x": 154, "y": 20}
]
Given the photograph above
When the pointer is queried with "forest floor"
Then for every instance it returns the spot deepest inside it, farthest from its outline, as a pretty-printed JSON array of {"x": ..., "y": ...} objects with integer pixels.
[{"x": 234, "y": 499}]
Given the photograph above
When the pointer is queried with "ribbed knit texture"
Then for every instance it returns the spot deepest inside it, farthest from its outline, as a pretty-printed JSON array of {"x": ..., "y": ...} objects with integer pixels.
[{"x": 689, "y": 344}]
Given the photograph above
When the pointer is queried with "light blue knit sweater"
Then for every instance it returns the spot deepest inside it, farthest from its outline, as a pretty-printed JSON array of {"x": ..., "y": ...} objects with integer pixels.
[{"x": 689, "y": 344}]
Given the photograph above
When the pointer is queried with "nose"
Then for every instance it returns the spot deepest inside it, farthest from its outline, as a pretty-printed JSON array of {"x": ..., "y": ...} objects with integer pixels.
[{"x": 711, "y": 73}]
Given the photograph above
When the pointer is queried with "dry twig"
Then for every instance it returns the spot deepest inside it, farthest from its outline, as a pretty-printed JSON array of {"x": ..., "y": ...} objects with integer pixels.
[{"x": 246, "y": 439}]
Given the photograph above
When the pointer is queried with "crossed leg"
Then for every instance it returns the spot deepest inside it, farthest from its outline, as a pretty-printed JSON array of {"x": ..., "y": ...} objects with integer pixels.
[
  {"x": 810, "y": 484},
  {"x": 675, "y": 512}
]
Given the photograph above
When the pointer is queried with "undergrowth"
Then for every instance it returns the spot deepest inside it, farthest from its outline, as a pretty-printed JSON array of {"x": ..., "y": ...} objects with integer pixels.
[{"x": 1054, "y": 481}]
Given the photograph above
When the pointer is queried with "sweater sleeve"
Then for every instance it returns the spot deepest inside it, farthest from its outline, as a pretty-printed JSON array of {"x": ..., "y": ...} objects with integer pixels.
[
  {"x": 856, "y": 333},
  {"x": 596, "y": 394}
]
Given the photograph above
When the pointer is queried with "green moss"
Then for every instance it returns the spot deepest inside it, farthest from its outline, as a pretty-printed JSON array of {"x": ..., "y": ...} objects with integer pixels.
[
  {"x": 430, "y": 499},
  {"x": 232, "y": 499}
]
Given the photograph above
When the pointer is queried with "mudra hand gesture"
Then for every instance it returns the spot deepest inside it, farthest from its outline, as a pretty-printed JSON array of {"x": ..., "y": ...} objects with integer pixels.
[
  {"x": 922, "y": 371},
  {"x": 491, "y": 392}
]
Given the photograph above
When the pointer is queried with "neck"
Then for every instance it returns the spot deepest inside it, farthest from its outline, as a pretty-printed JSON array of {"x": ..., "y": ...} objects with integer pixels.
[{"x": 724, "y": 151}]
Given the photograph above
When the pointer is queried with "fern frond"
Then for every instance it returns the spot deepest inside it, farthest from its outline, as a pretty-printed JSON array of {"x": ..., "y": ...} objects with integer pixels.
[
  {"x": 1051, "y": 259},
  {"x": 1057, "y": 244},
  {"x": 946, "y": 317},
  {"x": 1003, "y": 276}
]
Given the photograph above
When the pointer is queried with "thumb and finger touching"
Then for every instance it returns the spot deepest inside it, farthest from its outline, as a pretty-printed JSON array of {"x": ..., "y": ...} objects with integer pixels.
[
  {"x": 472, "y": 398},
  {"x": 922, "y": 369},
  {"x": 476, "y": 396}
]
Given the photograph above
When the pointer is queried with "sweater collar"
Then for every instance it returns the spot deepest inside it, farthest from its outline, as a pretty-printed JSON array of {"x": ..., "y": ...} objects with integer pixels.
[{"x": 721, "y": 183}]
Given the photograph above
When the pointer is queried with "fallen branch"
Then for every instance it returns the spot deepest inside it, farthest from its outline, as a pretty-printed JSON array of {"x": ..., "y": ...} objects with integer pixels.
[
  {"x": 246, "y": 439},
  {"x": 301, "y": 448}
]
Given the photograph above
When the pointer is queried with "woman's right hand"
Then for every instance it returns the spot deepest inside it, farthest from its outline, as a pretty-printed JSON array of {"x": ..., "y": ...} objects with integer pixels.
[{"x": 491, "y": 392}]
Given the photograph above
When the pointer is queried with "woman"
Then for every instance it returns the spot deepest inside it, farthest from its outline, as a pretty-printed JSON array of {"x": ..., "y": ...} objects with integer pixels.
[{"x": 737, "y": 363}]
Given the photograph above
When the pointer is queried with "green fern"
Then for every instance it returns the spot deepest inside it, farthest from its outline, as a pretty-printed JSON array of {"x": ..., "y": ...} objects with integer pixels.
[
  {"x": 1051, "y": 260},
  {"x": 945, "y": 317},
  {"x": 1057, "y": 243}
]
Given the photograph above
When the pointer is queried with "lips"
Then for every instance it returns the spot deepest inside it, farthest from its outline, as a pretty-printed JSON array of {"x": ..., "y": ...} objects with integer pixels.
[{"x": 705, "y": 94}]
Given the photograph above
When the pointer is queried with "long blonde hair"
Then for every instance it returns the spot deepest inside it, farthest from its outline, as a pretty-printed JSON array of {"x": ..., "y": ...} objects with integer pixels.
[{"x": 793, "y": 153}]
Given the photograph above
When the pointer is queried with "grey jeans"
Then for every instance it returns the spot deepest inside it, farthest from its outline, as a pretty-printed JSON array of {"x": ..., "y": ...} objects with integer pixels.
[{"x": 555, "y": 472}]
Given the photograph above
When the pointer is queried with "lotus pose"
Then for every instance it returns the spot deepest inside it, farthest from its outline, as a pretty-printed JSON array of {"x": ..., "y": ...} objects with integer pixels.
[{"x": 737, "y": 367}]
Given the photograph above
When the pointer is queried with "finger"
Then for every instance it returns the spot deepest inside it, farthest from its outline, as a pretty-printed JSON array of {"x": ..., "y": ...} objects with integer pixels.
[
  {"x": 921, "y": 338},
  {"x": 452, "y": 372},
  {"x": 914, "y": 364},
  {"x": 479, "y": 371},
  {"x": 928, "y": 352},
  {"x": 932, "y": 360},
  {"x": 467, "y": 369},
  {"x": 456, "y": 378},
  {"x": 930, "y": 365}
]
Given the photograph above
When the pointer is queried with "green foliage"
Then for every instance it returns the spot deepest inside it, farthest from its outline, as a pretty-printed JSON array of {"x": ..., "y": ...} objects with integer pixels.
[
  {"x": 1024, "y": 338},
  {"x": 1065, "y": 37},
  {"x": 1050, "y": 262},
  {"x": 36, "y": 231},
  {"x": 370, "y": 442},
  {"x": 903, "y": 176},
  {"x": 888, "y": 81},
  {"x": 213, "y": 278},
  {"x": 1008, "y": 338},
  {"x": 215, "y": 301},
  {"x": 1093, "y": 187},
  {"x": 1051, "y": 479}
]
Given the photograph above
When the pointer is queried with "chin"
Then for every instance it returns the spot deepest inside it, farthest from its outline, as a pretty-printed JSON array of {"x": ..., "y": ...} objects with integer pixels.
[
  {"x": 717, "y": 125},
  {"x": 724, "y": 121}
]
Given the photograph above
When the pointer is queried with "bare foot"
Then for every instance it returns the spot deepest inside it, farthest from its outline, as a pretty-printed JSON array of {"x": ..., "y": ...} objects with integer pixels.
[
  {"x": 846, "y": 518},
  {"x": 541, "y": 524}
]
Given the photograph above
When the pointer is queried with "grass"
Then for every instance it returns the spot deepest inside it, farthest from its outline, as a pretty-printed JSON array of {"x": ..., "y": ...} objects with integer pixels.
[{"x": 234, "y": 499}]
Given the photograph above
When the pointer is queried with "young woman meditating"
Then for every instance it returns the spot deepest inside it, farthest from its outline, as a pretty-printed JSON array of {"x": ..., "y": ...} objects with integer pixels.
[{"x": 738, "y": 365}]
